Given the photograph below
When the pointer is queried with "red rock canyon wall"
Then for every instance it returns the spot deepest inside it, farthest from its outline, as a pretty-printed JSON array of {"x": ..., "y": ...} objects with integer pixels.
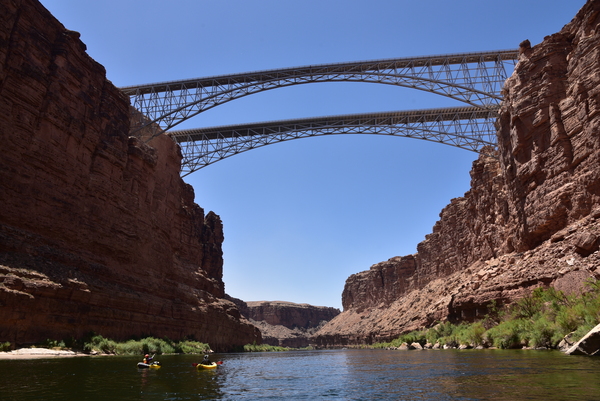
[
  {"x": 97, "y": 230},
  {"x": 529, "y": 219},
  {"x": 287, "y": 324},
  {"x": 289, "y": 314}
]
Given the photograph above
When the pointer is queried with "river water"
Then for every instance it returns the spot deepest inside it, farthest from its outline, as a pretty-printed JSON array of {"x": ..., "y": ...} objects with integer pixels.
[{"x": 311, "y": 375}]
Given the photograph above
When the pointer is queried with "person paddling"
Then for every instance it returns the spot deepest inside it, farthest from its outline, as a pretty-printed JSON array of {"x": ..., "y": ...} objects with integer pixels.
[
  {"x": 147, "y": 359},
  {"x": 206, "y": 363}
]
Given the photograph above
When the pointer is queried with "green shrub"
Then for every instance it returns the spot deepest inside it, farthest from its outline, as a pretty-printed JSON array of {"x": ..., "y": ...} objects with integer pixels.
[
  {"x": 107, "y": 346},
  {"x": 471, "y": 334},
  {"x": 442, "y": 333},
  {"x": 52, "y": 344},
  {"x": 507, "y": 334},
  {"x": 494, "y": 316},
  {"x": 582, "y": 331},
  {"x": 529, "y": 306},
  {"x": 451, "y": 335},
  {"x": 131, "y": 347},
  {"x": 409, "y": 338},
  {"x": 151, "y": 345},
  {"x": 100, "y": 344},
  {"x": 543, "y": 334},
  {"x": 263, "y": 348},
  {"x": 566, "y": 320},
  {"x": 192, "y": 347},
  {"x": 5, "y": 347}
]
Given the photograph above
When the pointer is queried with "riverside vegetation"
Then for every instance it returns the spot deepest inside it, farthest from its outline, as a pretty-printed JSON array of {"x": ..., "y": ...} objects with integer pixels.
[
  {"x": 97, "y": 344},
  {"x": 541, "y": 320}
]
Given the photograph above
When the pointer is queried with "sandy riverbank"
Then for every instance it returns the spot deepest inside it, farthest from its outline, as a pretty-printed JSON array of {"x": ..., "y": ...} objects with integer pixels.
[{"x": 32, "y": 353}]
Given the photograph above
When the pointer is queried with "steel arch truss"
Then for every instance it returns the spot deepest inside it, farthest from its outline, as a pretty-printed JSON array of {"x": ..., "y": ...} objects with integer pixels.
[
  {"x": 473, "y": 78},
  {"x": 469, "y": 128}
]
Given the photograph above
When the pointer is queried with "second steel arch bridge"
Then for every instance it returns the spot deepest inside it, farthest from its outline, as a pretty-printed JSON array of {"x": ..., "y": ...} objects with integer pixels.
[
  {"x": 475, "y": 79},
  {"x": 468, "y": 128}
]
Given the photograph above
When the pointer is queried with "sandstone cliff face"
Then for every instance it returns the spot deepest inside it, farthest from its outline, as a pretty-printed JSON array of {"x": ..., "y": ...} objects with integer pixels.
[
  {"x": 97, "y": 230},
  {"x": 529, "y": 219},
  {"x": 289, "y": 314},
  {"x": 286, "y": 324}
]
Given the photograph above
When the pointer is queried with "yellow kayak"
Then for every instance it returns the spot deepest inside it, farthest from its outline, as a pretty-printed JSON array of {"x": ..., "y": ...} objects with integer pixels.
[{"x": 213, "y": 365}]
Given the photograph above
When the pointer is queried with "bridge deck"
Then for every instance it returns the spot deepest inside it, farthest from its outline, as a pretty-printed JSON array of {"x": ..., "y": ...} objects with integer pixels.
[
  {"x": 346, "y": 67},
  {"x": 365, "y": 119}
]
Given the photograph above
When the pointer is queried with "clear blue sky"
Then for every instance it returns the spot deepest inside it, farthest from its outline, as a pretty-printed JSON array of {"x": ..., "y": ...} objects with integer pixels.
[{"x": 301, "y": 216}]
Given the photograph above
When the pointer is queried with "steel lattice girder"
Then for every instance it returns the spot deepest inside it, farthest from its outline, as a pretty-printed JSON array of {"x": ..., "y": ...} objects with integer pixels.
[
  {"x": 469, "y": 128},
  {"x": 472, "y": 78}
]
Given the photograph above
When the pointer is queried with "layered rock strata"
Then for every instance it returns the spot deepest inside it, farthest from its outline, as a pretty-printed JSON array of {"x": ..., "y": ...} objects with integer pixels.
[
  {"x": 97, "y": 230},
  {"x": 286, "y": 324},
  {"x": 530, "y": 217},
  {"x": 289, "y": 314}
]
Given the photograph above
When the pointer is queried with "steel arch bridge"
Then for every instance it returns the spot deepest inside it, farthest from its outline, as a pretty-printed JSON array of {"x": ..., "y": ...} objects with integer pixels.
[
  {"x": 475, "y": 79},
  {"x": 469, "y": 128}
]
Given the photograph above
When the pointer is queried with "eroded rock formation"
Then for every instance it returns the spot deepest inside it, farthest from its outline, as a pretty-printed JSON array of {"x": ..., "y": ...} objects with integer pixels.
[
  {"x": 286, "y": 324},
  {"x": 97, "y": 230},
  {"x": 529, "y": 219},
  {"x": 289, "y": 314}
]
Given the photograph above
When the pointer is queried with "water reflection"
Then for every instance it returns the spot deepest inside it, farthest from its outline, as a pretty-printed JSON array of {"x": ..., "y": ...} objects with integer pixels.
[
  {"x": 332, "y": 375},
  {"x": 514, "y": 375}
]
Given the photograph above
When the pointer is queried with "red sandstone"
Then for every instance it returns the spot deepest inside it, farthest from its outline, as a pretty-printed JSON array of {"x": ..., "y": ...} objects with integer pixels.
[{"x": 97, "y": 230}]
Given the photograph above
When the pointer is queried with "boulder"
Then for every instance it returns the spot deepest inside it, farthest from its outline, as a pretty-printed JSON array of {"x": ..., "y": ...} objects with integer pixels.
[{"x": 588, "y": 345}]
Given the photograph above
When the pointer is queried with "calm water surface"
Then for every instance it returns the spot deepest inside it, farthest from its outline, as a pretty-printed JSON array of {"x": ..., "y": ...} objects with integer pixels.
[{"x": 311, "y": 375}]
